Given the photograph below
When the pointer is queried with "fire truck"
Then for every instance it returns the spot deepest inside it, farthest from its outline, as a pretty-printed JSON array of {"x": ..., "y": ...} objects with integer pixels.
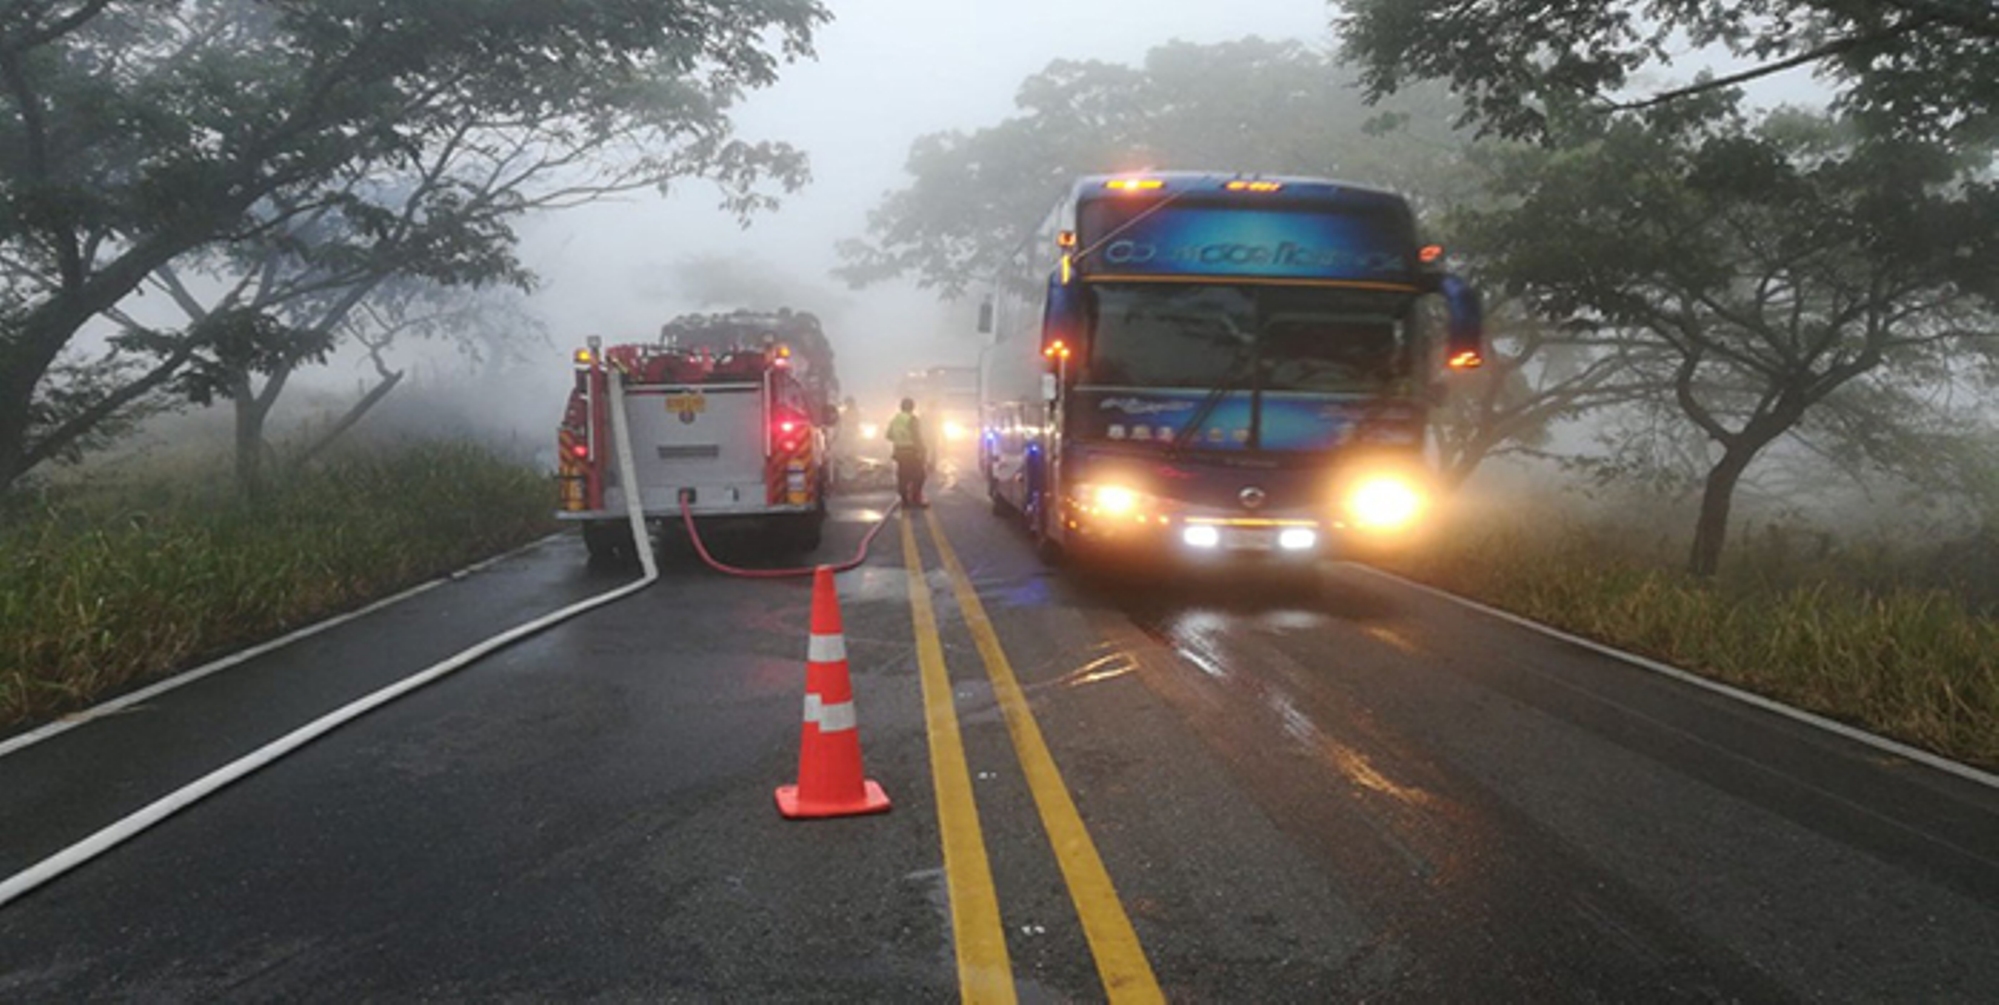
[{"x": 735, "y": 435}]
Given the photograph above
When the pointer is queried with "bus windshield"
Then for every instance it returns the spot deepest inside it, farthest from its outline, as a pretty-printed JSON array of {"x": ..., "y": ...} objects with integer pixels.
[{"x": 1271, "y": 338}]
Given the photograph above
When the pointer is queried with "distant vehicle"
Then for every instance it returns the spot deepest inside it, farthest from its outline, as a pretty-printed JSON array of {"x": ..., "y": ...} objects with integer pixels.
[
  {"x": 735, "y": 433},
  {"x": 947, "y": 399},
  {"x": 1202, "y": 365}
]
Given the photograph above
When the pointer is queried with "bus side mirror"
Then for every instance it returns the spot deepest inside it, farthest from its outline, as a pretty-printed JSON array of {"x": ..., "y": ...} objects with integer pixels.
[
  {"x": 1464, "y": 346},
  {"x": 986, "y": 316},
  {"x": 1062, "y": 321}
]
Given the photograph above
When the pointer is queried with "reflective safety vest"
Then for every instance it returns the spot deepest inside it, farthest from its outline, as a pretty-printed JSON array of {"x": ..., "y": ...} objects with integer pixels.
[{"x": 903, "y": 432}]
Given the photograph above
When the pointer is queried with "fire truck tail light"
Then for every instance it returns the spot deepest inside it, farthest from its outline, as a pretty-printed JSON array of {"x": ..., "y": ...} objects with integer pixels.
[
  {"x": 789, "y": 434},
  {"x": 580, "y": 449}
]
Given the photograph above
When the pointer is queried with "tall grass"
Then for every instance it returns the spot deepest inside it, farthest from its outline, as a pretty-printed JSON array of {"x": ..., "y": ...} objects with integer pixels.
[
  {"x": 1912, "y": 662},
  {"x": 103, "y": 585}
]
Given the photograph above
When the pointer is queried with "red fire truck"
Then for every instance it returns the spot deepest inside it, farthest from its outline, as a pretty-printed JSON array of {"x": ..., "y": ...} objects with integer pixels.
[{"x": 733, "y": 435}]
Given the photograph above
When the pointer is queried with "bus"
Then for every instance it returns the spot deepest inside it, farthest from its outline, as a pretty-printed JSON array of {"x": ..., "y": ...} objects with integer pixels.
[{"x": 1208, "y": 365}]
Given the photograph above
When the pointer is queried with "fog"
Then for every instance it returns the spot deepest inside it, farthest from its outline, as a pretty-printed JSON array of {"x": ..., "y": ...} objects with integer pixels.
[{"x": 887, "y": 72}]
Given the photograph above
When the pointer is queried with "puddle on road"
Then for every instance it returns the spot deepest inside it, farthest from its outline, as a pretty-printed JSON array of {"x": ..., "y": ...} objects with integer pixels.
[
  {"x": 874, "y": 583},
  {"x": 1107, "y": 667},
  {"x": 866, "y": 515}
]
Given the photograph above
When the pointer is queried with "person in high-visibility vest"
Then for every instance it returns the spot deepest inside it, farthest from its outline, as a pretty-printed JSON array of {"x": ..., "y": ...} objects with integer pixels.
[{"x": 905, "y": 439}]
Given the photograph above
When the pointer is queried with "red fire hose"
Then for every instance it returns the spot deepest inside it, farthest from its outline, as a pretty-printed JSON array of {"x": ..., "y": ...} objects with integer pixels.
[{"x": 860, "y": 555}]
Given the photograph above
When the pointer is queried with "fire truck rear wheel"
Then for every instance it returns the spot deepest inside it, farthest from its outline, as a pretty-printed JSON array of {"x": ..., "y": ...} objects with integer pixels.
[{"x": 608, "y": 541}]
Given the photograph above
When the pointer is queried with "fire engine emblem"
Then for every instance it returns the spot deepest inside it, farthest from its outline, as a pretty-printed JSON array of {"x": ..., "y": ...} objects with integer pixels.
[
  {"x": 687, "y": 406},
  {"x": 1253, "y": 497}
]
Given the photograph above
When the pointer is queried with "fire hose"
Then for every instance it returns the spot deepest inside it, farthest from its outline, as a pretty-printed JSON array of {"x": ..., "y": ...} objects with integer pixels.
[
  {"x": 701, "y": 548},
  {"x": 20, "y": 884}
]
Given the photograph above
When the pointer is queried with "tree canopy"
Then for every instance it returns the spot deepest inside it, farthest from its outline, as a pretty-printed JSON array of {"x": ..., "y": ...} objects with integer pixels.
[
  {"x": 1757, "y": 268},
  {"x": 1916, "y": 68},
  {"x": 135, "y": 133},
  {"x": 1250, "y": 106}
]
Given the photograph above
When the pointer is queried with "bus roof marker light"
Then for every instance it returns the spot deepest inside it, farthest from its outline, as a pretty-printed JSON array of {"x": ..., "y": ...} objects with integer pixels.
[
  {"x": 1134, "y": 184},
  {"x": 1240, "y": 185}
]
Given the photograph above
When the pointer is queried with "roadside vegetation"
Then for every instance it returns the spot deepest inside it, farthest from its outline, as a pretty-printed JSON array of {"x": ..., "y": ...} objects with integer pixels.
[
  {"x": 106, "y": 583},
  {"x": 1877, "y": 635}
]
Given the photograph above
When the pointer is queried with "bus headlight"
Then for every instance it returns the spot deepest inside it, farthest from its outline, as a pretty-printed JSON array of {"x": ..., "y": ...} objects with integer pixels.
[
  {"x": 1114, "y": 500},
  {"x": 1201, "y": 535},
  {"x": 1385, "y": 503}
]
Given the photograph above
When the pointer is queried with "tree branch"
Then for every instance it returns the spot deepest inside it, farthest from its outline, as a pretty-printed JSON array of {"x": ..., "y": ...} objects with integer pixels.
[
  {"x": 56, "y": 440},
  {"x": 56, "y": 29},
  {"x": 1833, "y": 48}
]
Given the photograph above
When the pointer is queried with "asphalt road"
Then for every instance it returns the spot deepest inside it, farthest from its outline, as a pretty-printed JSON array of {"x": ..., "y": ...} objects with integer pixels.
[{"x": 1331, "y": 788}]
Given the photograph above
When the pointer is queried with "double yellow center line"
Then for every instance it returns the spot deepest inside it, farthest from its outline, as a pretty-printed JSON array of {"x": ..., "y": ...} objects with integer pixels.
[{"x": 985, "y": 971}]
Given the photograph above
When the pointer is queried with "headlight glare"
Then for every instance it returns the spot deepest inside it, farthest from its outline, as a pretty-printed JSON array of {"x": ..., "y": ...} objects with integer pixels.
[
  {"x": 1115, "y": 500},
  {"x": 1201, "y": 536},
  {"x": 1385, "y": 502}
]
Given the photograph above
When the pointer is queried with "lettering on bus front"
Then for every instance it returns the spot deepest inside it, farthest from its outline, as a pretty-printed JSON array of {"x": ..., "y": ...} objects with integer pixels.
[{"x": 1288, "y": 255}]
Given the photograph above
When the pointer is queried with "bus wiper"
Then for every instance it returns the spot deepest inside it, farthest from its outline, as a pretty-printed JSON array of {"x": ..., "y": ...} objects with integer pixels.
[{"x": 1230, "y": 382}]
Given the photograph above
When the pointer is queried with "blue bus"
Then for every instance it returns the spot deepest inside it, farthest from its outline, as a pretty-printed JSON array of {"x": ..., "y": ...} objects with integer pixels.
[{"x": 1211, "y": 365}]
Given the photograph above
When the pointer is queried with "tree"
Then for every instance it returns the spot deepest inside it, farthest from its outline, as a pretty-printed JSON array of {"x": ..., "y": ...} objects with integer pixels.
[
  {"x": 1922, "y": 69},
  {"x": 133, "y": 134},
  {"x": 488, "y": 329},
  {"x": 442, "y": 224},
  {"x": 1769, "y": 265},
  {"x": 1536, "y": 375},
  {"x": 1249, "y": 106}
]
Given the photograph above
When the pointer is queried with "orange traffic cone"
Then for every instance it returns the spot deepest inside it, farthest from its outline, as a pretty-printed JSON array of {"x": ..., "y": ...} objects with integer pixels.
[{"x": 830, "y": 780}]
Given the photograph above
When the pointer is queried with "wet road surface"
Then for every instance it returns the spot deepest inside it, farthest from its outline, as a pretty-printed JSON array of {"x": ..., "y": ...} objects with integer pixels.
[{"x": 1327, "y": 788}]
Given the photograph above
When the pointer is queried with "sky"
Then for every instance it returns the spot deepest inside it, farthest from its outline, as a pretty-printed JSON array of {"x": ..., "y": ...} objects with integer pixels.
[{"x": 887, "y": 72}]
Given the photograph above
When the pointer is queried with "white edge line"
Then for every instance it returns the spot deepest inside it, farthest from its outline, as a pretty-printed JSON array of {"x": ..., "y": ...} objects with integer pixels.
[
  {"x": 1896, "y": 747},
  {"x": 130, "y": 826},
  {"x": 98, "y": 711},
  {"x": 187, "y": 795}
]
